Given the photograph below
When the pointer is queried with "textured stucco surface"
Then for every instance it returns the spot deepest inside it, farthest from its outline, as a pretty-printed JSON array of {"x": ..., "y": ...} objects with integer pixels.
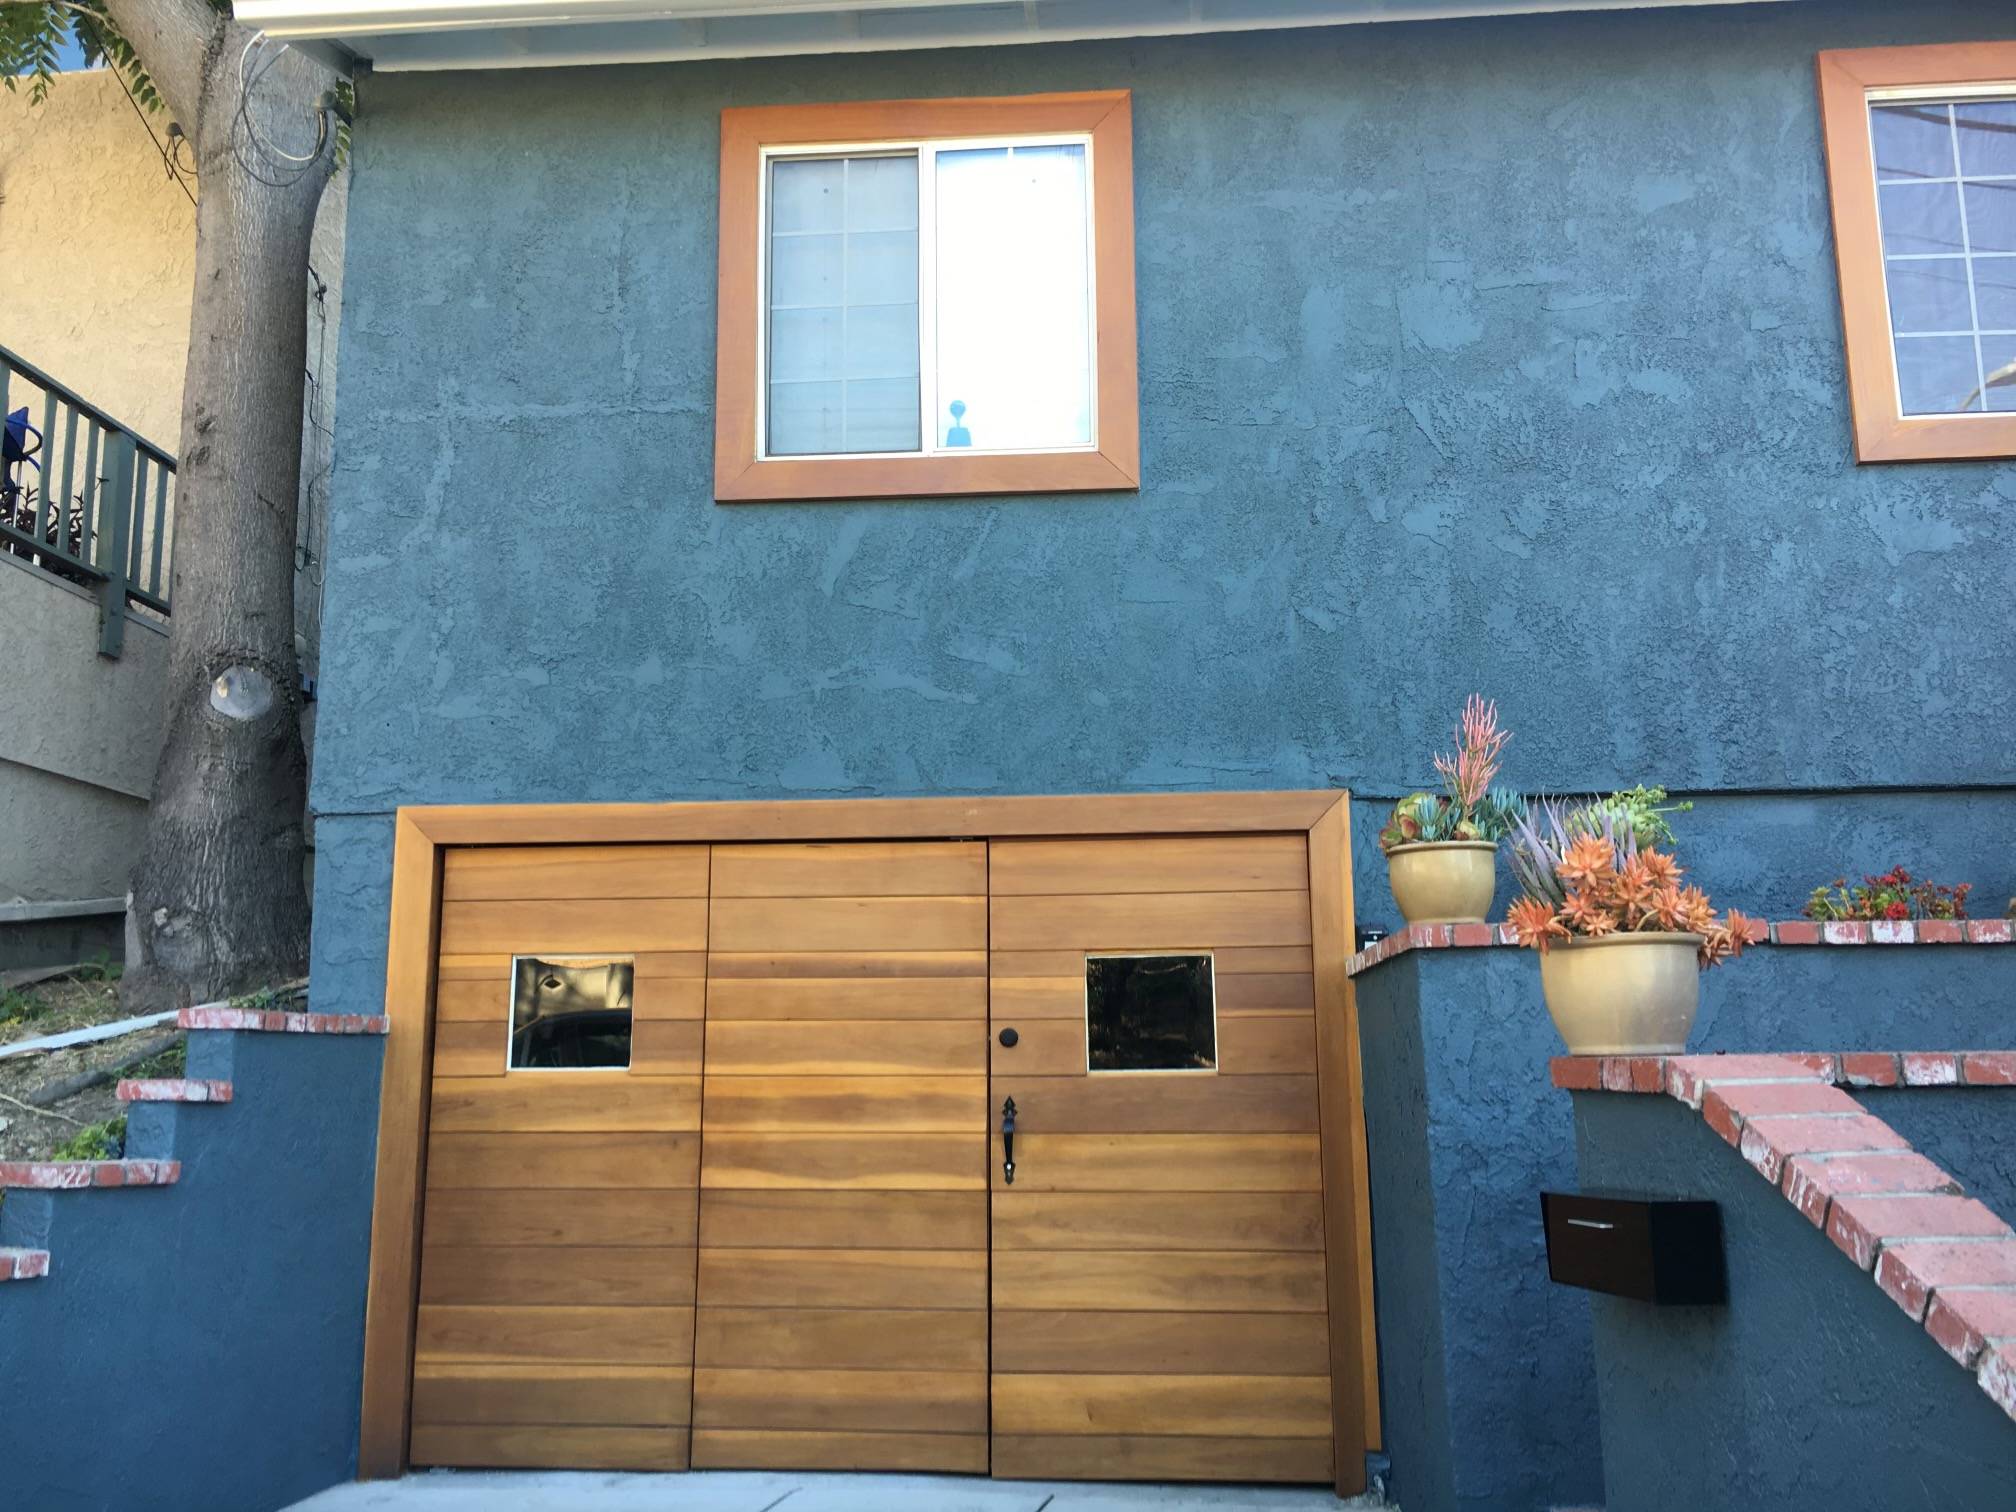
[
  {"x": 78, "y": 737},
  {"x": 1810, "y": 1392},
  {"x": 1486, "y": 1381},
  {"x": 84, "y": 198},
  {"x": 1495, "y": 354},
  {"x": 1485, "y": 1366},
  {"x": 201, "y": 1344}
]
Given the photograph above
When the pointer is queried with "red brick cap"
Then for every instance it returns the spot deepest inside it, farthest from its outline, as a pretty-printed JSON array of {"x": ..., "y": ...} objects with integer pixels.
[
  {"x": 181, "y": 1089},
  {"x": 274, "y": 1021},
  {"x": 23, "y": 1264},
  {"x": 1944, "y": 1258},
  {"x": 70, "y": 1175}
]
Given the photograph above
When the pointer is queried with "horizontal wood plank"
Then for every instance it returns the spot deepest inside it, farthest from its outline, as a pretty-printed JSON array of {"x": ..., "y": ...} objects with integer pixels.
[
  {"x": 585, "y": 1275},
  {"x": 847, "y": 998},
  {"x": 1133, "y": 922},
  {"x": 567, "y": 1447},
  {"x": 912, "y": 1401},
  {"x": 626, "y": 1396},
  {"x": 1056, "y": 1221},
  {"x": 544, "y": 872},
  {"x": 1018, "y": 999},
  {"x": 1230, "y": 960},
  {"x": 1141, "y": 1280},
  {"x": 844, "y": 1220},
  {"x": 890, "y": 1278},
  {"x": 1185, "y": 864},
  {"x": 564, "y": 1101},
  {"x": 784, "y": 1104},
  {"x": 661, "y": 1336},
  {"x": 1266, "y": 991},
  {"x": 832, "y": 924},
  {"x": 745, "y": 1449},
  {"x": 1166, "y": 1163},
  {"x": 1144, "y": 1103},
  {"x": 895, "y": 962},
  {"x": 1165, "y": 1458},
  {"x": 551, "y": 1218},
  {"x": 889, "y": 1162},
  {"x": 485, "y": 998},
  {"x": 909, "y": 868},
  {"x": 842, "y": 1048},
  {"x": 858, "y": 1338},
  {"x": 1267, "y": 1044},
  {"x": 574, "y": 926},
  {"x": 1207, "y": 1406},
  {"x": 628, "y": 1161},
  {"x": 470, "y": 1047},
  {"x": 1161, "y": 1343},
  {"x": 666, "y": 1047}
]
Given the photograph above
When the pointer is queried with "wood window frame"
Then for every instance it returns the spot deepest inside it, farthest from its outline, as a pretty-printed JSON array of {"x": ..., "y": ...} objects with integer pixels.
[
  {"x": 1883, "y": 433},
  {"x": 420, "y": 835},
  {"x": 1113, "y": 464}
]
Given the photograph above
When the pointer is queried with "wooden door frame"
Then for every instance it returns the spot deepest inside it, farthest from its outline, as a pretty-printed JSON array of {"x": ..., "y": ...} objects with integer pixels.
[{"x": 420, "y": 835}]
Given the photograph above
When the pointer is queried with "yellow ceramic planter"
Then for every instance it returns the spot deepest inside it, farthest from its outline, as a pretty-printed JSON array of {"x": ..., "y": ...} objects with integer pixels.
[
  {"x": 1626, "y": 994},
  {"x": 1444, "y": 881}
]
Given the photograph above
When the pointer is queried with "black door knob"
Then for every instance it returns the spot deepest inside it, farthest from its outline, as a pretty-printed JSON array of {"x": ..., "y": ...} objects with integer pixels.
[{"x": 1009, "y": 1037}]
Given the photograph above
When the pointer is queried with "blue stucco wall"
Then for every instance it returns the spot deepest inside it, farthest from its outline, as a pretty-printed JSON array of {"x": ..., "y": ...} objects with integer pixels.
[
  {"x": 201, "y": 1345},
  {"x": 1495, "y": 354},
  {"x": 1486, "y": 1375},
  {"x": 1810, "y": 1392}
]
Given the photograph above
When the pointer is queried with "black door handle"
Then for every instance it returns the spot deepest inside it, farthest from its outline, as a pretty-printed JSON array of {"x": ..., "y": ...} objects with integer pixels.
[{"x": 1008, "y": 1142}]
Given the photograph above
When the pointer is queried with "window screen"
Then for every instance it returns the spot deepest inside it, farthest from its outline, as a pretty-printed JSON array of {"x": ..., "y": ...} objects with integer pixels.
[{"x": 1150, "y": 1013}]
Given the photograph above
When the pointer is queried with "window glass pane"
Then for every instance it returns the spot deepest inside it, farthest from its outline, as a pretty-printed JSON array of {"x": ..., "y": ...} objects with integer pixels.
[
  {"x": 1013, "y": 287},
  {"x": 1912, "y": 141},
  {"x": 1987, "y": 136},
  {"x": 1991, "y": 216},
  {"x": 1936, "y": 374},
  {"x": 570, "y": 1013},
  {"x": 842, "y": 305},
  {"x": 1930, "y": 294},
  {"x": 1920, "y": 218},
  {"x": 1150, "y": 1013},
  {"x": 1949, "y": 249}
]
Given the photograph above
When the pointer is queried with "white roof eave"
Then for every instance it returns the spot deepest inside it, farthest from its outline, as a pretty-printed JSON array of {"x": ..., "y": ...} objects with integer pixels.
[{"x": 457, "y": 34}]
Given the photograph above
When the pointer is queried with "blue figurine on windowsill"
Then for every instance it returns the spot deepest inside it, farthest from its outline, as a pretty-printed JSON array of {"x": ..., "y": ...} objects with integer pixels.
[{"x": 958, "y": 435}]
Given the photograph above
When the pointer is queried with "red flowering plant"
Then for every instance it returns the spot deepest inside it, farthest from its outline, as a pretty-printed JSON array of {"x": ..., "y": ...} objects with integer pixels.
[
  {"x": 1468, "y": 807},
  {"x": 1894, "y": 895},
  {"x": 1587, "y": 874}
]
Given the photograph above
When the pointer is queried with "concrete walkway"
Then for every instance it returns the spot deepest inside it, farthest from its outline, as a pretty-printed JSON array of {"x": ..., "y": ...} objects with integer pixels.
[{"x": 792, "y": 1491}]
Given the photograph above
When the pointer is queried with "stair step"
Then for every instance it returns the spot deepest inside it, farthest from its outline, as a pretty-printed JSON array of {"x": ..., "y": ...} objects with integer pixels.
[
  {"x": 174, "y": 1089},
  {"x": 23, "y": 1264},
  {"x": 69, "y": 1175}
]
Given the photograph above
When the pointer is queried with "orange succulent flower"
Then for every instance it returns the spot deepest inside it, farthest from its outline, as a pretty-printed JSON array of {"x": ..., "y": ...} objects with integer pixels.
[
  {"x": 1588, "y": 858},
  {"x": 1660, "y": 867},
  {"x": 1697, "y": 914},
  {"x": 1534, "y": 922},
  {"x": 1666, "y": 907},
  {"x": 1586, "y": 917}
]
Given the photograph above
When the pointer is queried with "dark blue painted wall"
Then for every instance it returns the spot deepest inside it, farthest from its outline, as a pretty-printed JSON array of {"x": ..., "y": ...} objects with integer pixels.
[
  {"x": 201, "y": 1345},
  {"x": 1810, "y": 1392},
  {"x": 1485, "y": 1367},
  {"x": 1496, "y": 355}
]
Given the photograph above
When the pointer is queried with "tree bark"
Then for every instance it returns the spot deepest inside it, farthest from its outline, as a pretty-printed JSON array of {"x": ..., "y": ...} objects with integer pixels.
[{"x": 219, "y": 901}]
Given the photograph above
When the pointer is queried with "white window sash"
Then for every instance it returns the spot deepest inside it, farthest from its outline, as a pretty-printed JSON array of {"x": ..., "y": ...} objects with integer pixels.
[{"x": 927, "y": 290}]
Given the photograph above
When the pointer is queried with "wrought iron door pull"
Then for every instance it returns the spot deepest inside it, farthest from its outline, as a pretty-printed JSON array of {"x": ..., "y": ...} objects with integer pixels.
[{"x": 1008, "y": 1142}]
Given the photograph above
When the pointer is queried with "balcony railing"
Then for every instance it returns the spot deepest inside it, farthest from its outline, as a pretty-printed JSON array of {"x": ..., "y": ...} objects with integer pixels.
[{"x": 83, "y": 497}]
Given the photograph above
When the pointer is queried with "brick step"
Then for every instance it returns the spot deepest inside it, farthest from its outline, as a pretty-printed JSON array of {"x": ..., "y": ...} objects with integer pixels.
[
  {"x": 279, "y": 1021},
  {"x": 23, "y": 1264},
  {"x": 72, "y": 1175},
  {"x": 174, "y": 1089}
]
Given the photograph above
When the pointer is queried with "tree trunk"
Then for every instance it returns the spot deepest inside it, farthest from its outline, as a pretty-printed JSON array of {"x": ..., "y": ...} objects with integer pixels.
[{"x": 219, "y": 900}]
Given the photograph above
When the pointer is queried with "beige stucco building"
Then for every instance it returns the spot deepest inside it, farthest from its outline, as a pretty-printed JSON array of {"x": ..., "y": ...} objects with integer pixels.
[{"x": 97, "y": 252}]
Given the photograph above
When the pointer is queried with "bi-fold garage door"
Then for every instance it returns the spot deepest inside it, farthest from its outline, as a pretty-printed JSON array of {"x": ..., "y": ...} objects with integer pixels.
[{"x": 716, "y": 1171}]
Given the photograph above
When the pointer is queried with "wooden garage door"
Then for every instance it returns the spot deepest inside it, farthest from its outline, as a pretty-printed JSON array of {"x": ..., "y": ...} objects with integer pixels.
[
  {"x": 555, "y": 1323},
  {"x": 1158, "y": 1281},
  {"x": 843, "y": 1222}
]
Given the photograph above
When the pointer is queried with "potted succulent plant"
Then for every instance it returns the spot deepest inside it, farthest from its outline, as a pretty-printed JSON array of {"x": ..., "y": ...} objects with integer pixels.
[
  {"x": 1622, "y": 941},
  {"x": 1442, "y": 848}
]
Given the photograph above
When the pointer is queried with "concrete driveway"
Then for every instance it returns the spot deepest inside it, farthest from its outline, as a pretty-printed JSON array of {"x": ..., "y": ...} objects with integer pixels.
[{"x": 788, "y": 1491}]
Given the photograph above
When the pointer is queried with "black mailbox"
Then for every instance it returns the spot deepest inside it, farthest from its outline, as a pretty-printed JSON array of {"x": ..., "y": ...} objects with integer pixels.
[{"x": 1653, "y": 1249}]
